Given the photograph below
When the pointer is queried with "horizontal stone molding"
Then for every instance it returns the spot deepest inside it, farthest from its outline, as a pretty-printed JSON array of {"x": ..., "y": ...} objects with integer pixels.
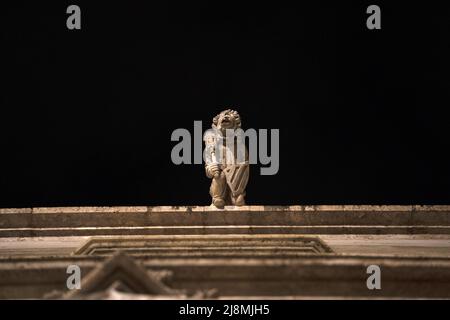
[
  {"x": 206, "y": 245},
  {"x": 202, "y": 230},
  {"x": 310, "y": 275},
  {"x": 79, "y": 221}
]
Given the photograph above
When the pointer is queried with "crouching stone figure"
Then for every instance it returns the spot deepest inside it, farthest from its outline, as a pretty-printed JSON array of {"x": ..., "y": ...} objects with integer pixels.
[{"x": 226, "y": 160}]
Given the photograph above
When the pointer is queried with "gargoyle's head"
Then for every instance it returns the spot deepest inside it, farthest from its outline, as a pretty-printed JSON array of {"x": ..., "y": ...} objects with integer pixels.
[{"x": 227, "y": 119}]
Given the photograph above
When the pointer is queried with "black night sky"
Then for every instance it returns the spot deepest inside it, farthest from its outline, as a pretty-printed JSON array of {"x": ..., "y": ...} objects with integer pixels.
[{"x": 87, "y": 115}]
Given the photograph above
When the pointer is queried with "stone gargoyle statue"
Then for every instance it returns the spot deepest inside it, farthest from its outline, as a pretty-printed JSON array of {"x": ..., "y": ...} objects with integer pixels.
[{"x": 226, "y": 160}]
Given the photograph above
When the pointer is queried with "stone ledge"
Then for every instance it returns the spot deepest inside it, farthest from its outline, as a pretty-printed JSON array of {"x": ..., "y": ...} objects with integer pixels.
[
  {"x": 205, "y": 230},
  {"x": 253, "y": 208},
  {"x": 87, "y": 221}
]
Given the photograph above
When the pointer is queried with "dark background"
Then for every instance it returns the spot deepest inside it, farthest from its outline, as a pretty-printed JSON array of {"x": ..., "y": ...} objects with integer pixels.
[{"x": 87, "y": 115}]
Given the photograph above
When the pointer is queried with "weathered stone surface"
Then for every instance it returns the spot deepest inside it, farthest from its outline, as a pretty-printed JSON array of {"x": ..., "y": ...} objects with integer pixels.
[
  {"x": 206, "y": 246},
  {"x": 243, "y": 252},
  {"x": 123, "y": 274},
  {"x": 422, "y": 245},
  {"x": 310, "y": 275},
  {"x": 84, "y": 221}
]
